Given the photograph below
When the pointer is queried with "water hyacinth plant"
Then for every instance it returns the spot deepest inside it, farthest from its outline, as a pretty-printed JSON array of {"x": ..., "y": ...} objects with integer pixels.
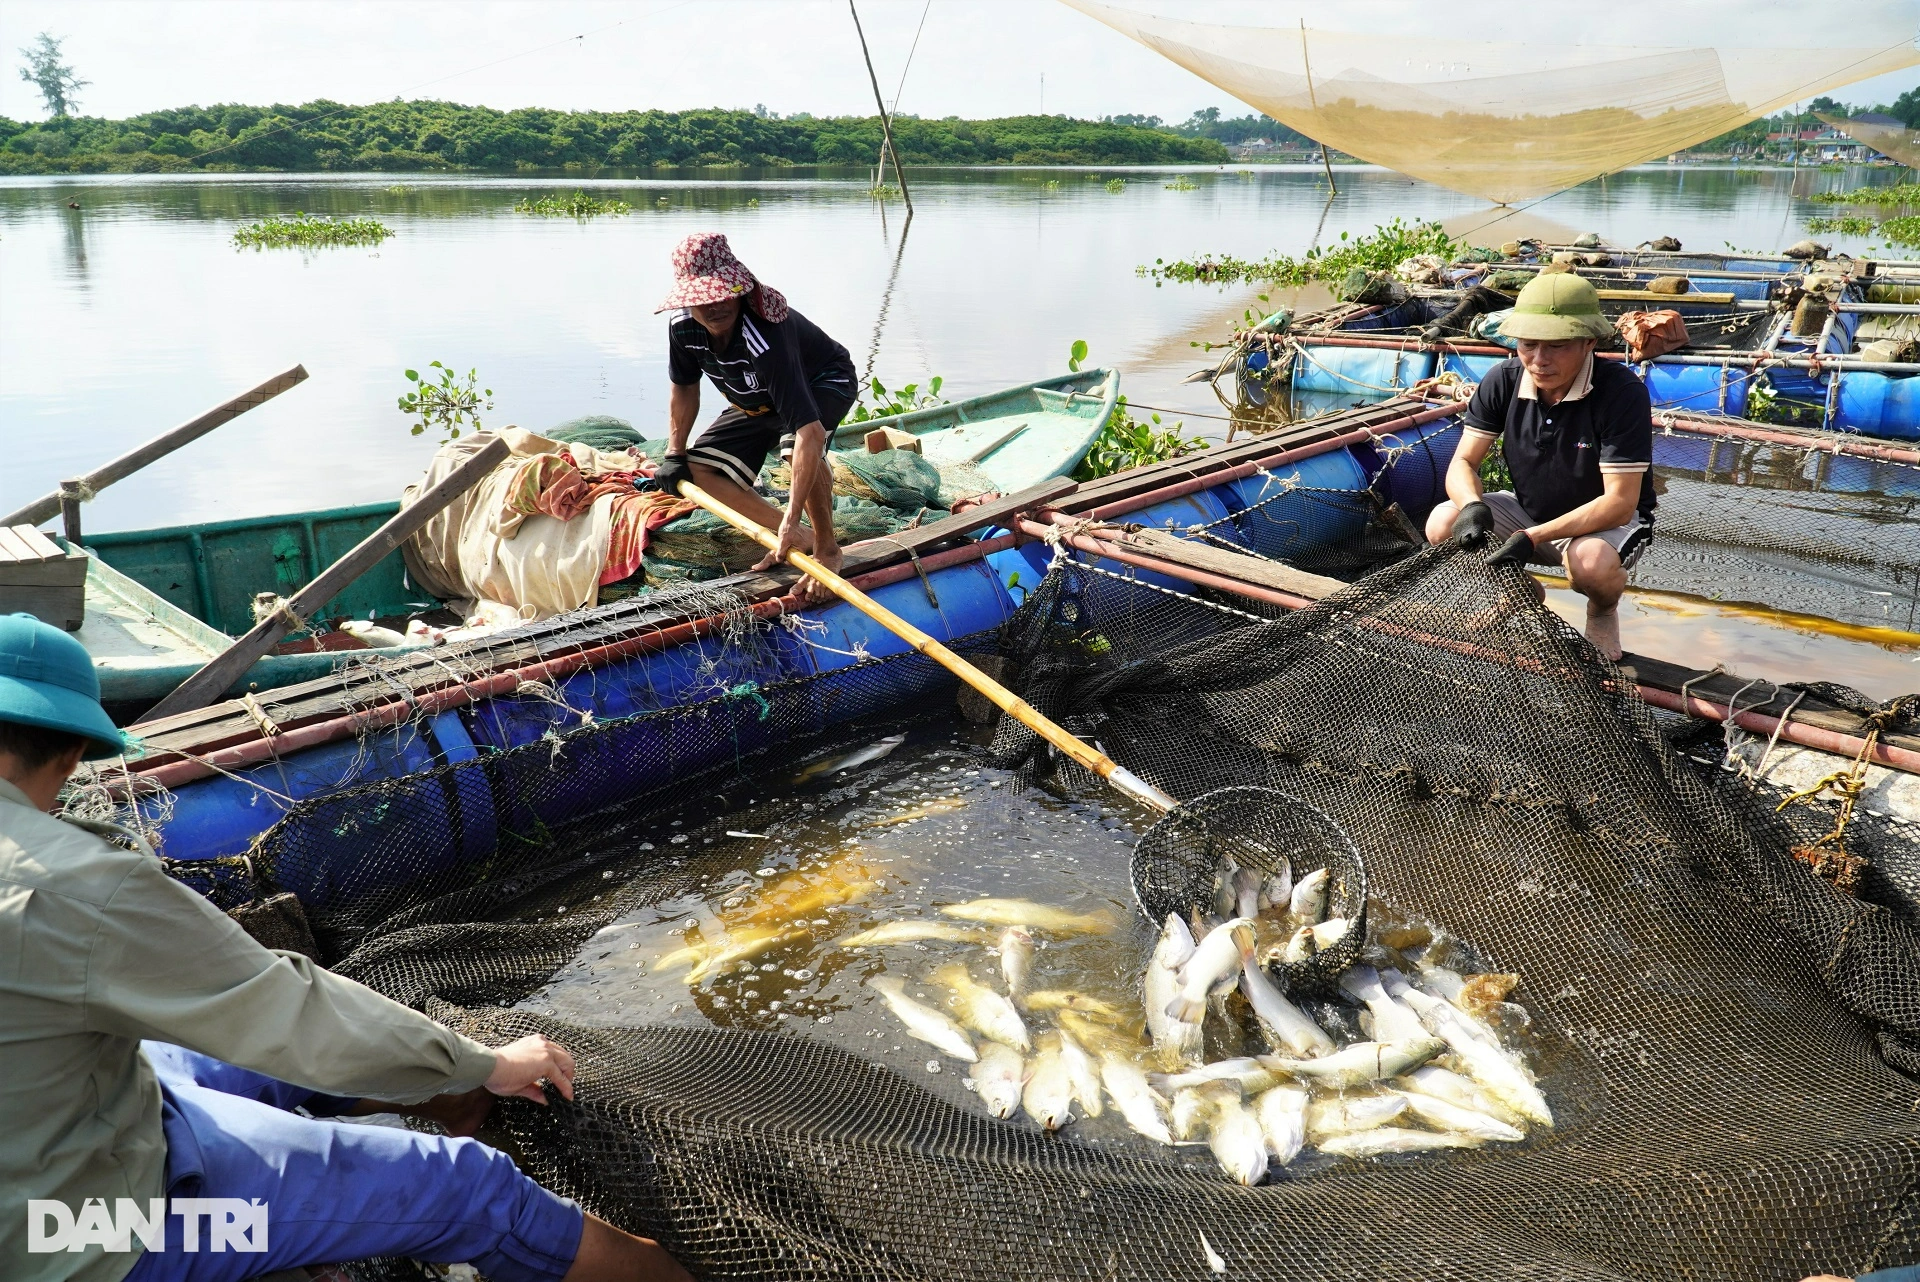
[
  {"x": 901, "y": 400},
  {"x": 1382, "y": 249},
  {"x": 578, "y": 205},
  {"x": 1897, "y": 194},
  {"x": 1126, "y": 441},
  {"x": 446, "y": 406},
  {"x": 315, "y": 229}
]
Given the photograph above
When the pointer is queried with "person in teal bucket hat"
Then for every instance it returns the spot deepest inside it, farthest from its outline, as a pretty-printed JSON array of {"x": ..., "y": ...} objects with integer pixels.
[{"x": 156, "y": 1053}]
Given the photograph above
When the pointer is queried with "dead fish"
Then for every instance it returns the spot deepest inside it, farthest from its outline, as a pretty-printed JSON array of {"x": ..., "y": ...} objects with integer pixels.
[
  {"x": 913, "y": 932},
  {"x": 1187, "y": 1114},
  {"x": 1360, "y": 1063},
  {"x": 1276, "y": 888},
  {"x": 1215, "y": 964},
  {"x": 1243, "y": 1072},
  {"x": 810, "y": 894},
  {"x": 983, "y": 1009},
  {"x": 937, "y": 807},
  {"x": 1451, "y": 1087},
  {"x": 1246, "y": 893},
  {"x": 1392, "y": 1021},
  {"x": 1024, "y": 912},
  {"x": 1383, "y": 1140},
  {"x": 1016, "y": 958},
  {"x": 998, "y": 1078},
  {"x": 1215, "y": 1261},
  {"x": 1048, "y": 1097},
  {"x": 1063, "y": 999},
  {"x": 1082, "y": 1073},
  {"x": 1346, "y": 1114},
  {"x": 1098, "y": 1037},
  {"x": 1309, "y": 902},
  {"x": 849, "y": 760},
  {"x": 1442, "y": 1116},
  {"x": 922, "y": 1021},
  {"x": 1236, "y": 1140},
  {"x": 1282, "y": 1111},
  {"x": 1496, "y": 1072},
  {"x": 742, "y": 945},
  {"x": 1180, "y": 1040},
  {"x": 1138, "y": 1102}
]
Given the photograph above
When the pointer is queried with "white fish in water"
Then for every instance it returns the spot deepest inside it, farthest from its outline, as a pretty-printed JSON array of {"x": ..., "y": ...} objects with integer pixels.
[
  {"x": 1181, "y": 1040},
  {"x": 1286, "y": 1026},
  {"x": 1309, "y": 902},
  {"x": 1443, "y": 1116},
  {"x": 1016, "y": 958},
  {"x": 983, "y": 1009},
  {"x": 1246, "y": 1072},
  {"x": 1246, "y": 892},
  {"x": 1383, "y": 1140},
  {"x": 938, "y": 806},
  {"x": 1276, "y": 888},
  {"x": 914, "y": 932},
  {"x": 1214, "y": 1260},
  {"x": 1236, "y": 1140},
  {"x": 1024, "y": 912},
  {"x": 1348, "y": 1113},
  {"x": 922, "y": 1021},
  {"x": 1224, "y": 897},
  {"x": 1451, "y": 1087},
  {"x": 1310, "y": 941},
  {"x": 1498, "y": 1075},
  {"x": 1065, "y": 999},
  {"x": 1392, "y": 1021},
  {"x": 849, "y": 760},
  {"x": 998, "y": 1079},
  {"x": 1215, "y": 964},
  {"x": 1362, "y": 1062},
  {"x": 1048, "y": 1097},
  {"x": 745, "y": 944},
  {"x": 1138, "y": 1102},
  {"x": 1187, "y": 1114},
  {"x": 1475, "y": 995},
  {"x": 1082, "y": 1073},
  {"x": 1283, "y": 1120},
  {"x": 1097, "y": 1037},
  {"x": 1467, "y": 1025}
]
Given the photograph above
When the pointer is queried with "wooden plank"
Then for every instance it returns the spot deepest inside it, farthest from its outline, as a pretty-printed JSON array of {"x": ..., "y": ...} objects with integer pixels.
[
  {"x": 160, "y": 446},
  {"x": 1723, "y": 687},
  {"x": 211, "y": 681},
  {"x": 49, "y": 550},
  {"x": 62, "y": 605},
  {"x": 1648, "y": 296},
  {"x": 1238, "y": 565},
  {"x": 16, "y": 550}
]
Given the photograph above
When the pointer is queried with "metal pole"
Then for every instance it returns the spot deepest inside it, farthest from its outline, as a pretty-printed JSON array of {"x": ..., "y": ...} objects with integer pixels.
[
  {"x": 1326, "y": 159},
  {"x": 880, "y": 105}
]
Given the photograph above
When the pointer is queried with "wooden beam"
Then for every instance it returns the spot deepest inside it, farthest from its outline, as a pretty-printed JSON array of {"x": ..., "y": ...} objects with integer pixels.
[
  {"x": 44, "y": 507},
  {"x": 212, "y": 680}
]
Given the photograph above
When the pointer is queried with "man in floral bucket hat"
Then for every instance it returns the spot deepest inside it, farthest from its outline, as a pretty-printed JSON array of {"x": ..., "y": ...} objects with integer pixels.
[
  {"x": 787, "y": 386},
  {"x": 1577, "y": 435}
]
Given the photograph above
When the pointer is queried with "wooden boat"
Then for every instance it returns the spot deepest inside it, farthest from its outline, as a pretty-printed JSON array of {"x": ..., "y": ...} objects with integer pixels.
[
  {"x": 161, "y": 602},
  {"x": 1754, "y": 354}
]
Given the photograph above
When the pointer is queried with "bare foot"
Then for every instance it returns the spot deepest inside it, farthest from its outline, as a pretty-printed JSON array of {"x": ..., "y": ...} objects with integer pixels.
[{"x": 1603, "y": 630}]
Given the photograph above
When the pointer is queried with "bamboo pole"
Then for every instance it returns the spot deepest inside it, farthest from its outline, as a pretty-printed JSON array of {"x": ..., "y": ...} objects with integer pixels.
[
  {"x": 1326, "y": 157},
  {"x": 880, "y": 105}
]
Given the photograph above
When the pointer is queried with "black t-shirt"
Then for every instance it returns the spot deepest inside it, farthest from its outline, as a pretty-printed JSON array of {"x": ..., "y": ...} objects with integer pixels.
[
  {"x": 764, "y": 366},
  {"x": 1557, "y": 453}
]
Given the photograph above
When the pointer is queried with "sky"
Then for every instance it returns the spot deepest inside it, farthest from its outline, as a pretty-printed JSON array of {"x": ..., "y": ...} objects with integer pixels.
[{"x": 975, "y": 58}]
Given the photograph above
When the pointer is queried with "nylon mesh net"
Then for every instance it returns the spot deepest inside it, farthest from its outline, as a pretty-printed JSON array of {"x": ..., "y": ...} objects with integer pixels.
[
  {"x": 1890, "y": 138},
  {"x": 1507, "y": 120},
  {"x": 1723, "y": 1036}
]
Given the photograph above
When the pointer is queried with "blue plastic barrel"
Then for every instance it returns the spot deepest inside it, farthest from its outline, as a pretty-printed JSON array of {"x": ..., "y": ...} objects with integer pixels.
[
  {"x": 1468, "y": 366},
  {"x": 1299, "y": 506},
  {"x": 1178, "y": 516},
  {"x": 1364, "y": 371},
  {"x": 1409, "y": 467},
  {"x": 1703, "y": 389},
  {"x": 1875, "y": 404}
]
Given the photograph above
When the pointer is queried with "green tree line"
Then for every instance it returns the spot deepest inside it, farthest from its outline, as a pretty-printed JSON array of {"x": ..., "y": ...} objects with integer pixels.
[
  {"x": 1752, "y": 136},
  {"x": 400, "y": 136}
]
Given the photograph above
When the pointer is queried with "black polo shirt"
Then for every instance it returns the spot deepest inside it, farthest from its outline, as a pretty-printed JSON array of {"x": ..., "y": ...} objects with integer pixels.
[
  {"x": 764, "y": 366},
  {"x": 1558, "y": 453}
]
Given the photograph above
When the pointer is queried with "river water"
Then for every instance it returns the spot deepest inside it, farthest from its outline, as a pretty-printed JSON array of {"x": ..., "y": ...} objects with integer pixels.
[{"x": 127, "y": 308}]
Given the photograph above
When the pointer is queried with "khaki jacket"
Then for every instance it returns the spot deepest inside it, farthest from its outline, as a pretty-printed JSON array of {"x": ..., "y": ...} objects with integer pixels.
[{"x": 100, "y": 948}]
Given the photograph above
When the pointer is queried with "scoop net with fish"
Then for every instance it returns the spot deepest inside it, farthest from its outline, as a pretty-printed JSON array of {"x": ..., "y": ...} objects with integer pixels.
[{"x": 1728, "y": 1042}]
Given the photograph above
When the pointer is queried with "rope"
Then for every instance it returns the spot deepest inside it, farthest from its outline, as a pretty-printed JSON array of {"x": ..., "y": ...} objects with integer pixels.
[{"x": 1778, "y": 726}]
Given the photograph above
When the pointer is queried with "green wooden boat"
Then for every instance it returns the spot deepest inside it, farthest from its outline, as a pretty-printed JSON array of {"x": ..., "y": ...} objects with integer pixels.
[{"x": 162, "y": 602}]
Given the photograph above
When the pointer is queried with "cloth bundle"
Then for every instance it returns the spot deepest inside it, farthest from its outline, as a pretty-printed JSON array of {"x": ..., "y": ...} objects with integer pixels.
[{"x": 1651, "y": 334}]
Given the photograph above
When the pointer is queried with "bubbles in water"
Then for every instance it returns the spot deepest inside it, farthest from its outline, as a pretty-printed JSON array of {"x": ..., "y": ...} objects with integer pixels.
[{"x": 933, "y": 1065}]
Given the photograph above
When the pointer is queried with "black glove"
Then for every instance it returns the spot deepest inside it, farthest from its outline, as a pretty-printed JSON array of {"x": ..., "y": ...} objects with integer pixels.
[
  {"x": 1517, "y": 551},
  {"x": 674, "y": 468},
  {"x": 1473, "y": 524}
]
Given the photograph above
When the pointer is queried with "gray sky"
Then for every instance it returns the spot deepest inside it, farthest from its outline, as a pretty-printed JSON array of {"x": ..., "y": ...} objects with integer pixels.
[{"x": 976, "y": 57}]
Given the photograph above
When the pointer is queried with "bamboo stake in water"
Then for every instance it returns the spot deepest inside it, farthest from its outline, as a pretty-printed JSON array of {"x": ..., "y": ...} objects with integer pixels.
[
  {"x": 886, "y": 122},
  {"x": 1122, "y": 779}
]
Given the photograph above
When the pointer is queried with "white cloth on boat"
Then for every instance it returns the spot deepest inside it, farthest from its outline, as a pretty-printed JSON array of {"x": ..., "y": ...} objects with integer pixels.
[{"x": 486, "y": 559}]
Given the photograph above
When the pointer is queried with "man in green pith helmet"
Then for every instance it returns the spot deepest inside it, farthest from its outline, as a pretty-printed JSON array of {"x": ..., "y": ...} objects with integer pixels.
[
  {"x": 1577, "y": 434},
  {"x": 156, "y": 1055}
]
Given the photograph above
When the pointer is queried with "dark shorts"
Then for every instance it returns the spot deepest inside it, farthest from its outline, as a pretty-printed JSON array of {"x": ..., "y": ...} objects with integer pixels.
[{"x": 737, "y": 443}]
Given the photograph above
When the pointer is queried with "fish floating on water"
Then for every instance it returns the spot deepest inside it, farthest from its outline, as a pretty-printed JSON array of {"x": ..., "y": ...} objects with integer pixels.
[
  {"x": 1024, "y": 912},
  {"x": 998, "y": 1078},
  {"x": 1177, "y": 1039},
  {"x": 924, "y": 1022},
  {"x": 1143, "y": 1108},
  {"x": 983, "y": 1009},
  {"x": 1049, "y": 1093},
  {"x": 1214, "y": 965},
  {"x": 849, "y": 760},
  {"x": 1016, "y": 958},
  {"x": 913, "y": 932}
]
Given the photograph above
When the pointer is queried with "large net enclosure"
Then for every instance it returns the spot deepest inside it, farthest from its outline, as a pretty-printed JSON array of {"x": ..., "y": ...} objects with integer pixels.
[
  {"x": 1518, "y": 111},
  {"x": 1724, "y": 1045}
]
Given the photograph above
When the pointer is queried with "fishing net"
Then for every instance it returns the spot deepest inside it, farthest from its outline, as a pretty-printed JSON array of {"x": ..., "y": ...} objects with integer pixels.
[
  {"x": 1885, "y": 135},
  {"x": 1507, "y": 120},
  {"x": 1725, "y": 1039}
]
